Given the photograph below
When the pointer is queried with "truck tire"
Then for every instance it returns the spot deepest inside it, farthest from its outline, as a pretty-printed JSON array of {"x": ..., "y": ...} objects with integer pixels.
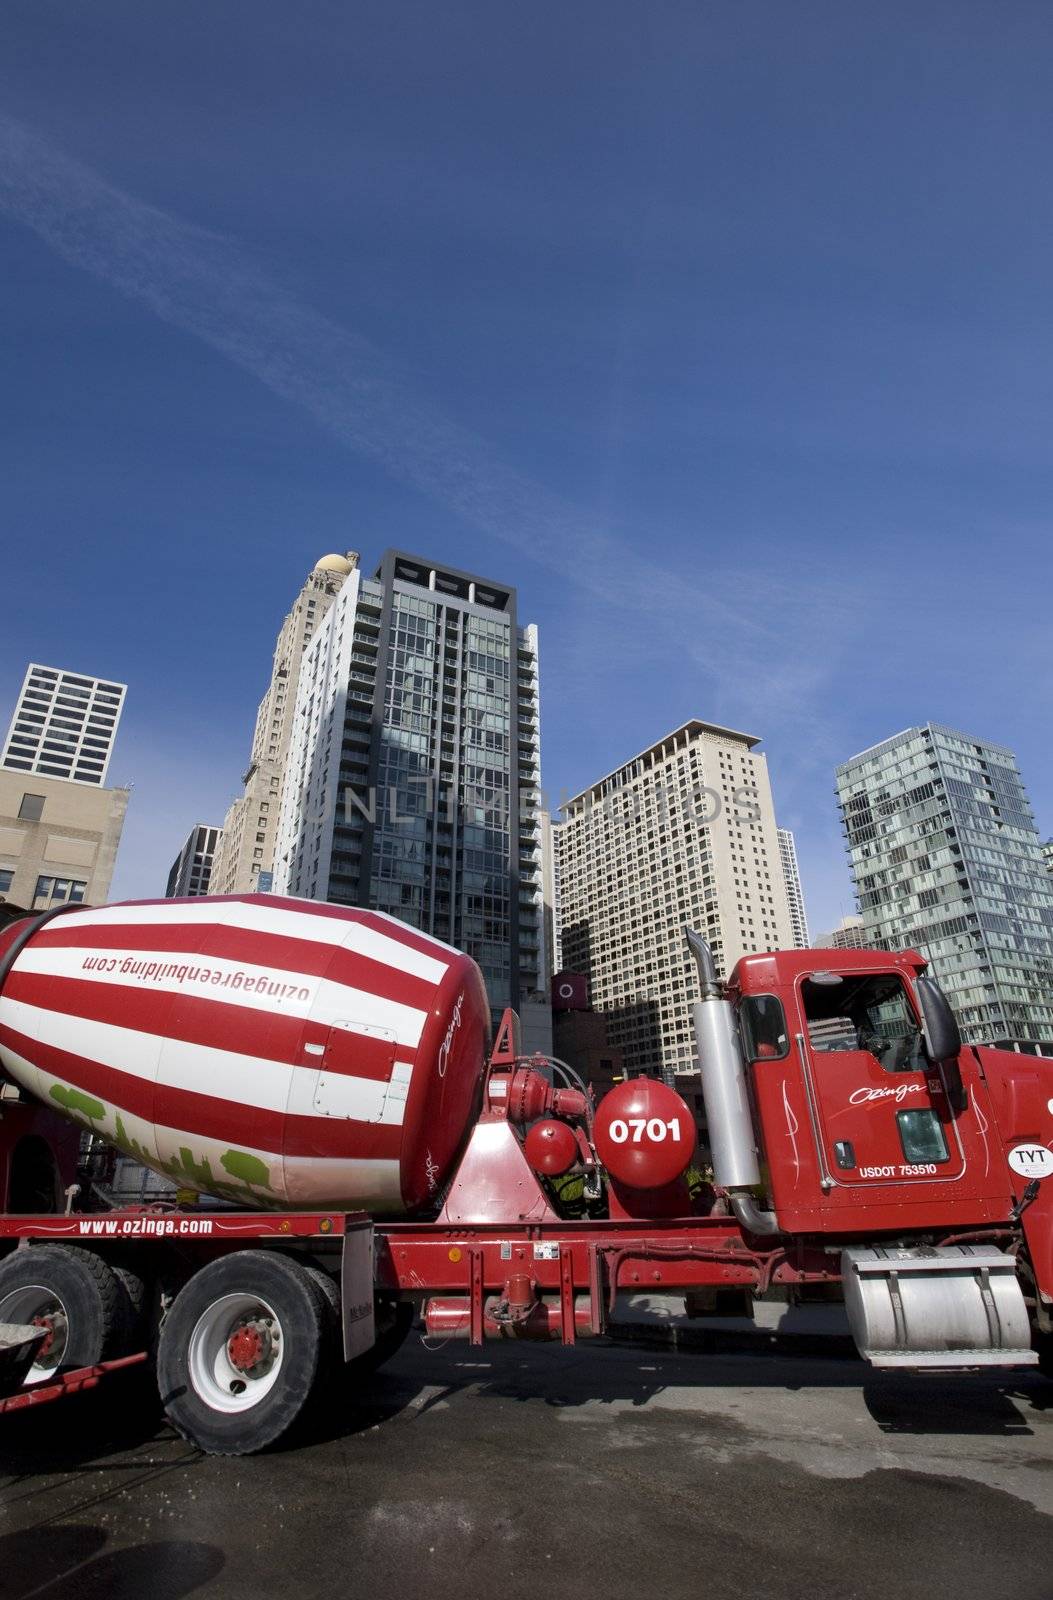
[
  {"x": 331, "y": 1368},
  {"x": 135, "y": 1309},
  {"x": 75, "y": 1295},
  {"x": 394, "y": 1319},
  {"x": 240, "y": 1352}
]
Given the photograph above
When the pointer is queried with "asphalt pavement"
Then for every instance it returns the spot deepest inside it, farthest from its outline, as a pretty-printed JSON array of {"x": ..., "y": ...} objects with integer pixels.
[{"x": 533, "y": 1471}]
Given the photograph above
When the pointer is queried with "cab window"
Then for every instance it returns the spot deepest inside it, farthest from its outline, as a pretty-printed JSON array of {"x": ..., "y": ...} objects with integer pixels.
[
  {"x": 762, "y": 1027},
  {"x": 864, "y": 1013},
  {"x": 921, "y": 1136}
]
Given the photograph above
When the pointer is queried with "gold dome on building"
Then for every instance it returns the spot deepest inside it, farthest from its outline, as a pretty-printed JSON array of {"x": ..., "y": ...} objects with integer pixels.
[{"x": 334, "y": 563}]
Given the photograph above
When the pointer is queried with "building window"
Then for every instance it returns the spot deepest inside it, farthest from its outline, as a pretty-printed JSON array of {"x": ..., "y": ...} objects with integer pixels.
[
  {"x": 59, "y": 891},
  {"x": 6, "y": 880},
  {"x": 32, "y": 808}
]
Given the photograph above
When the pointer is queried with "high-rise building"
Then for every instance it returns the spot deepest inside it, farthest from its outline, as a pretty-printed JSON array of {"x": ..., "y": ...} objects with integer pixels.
[
  {"x": 850, "y": 934},
  {"x": 59, "y": 827},
  {"x": 1047, "y": 855},
  {"x": 244, "y": 860},
  {"x": 794, "y": 893},
  {"x": 683, "y": 835},
  {"x": 946, "y": 858},
  {"x": 412, "y": 781},
  {"x": 192, "y": 867},
  {"x": 550, "y": 893},
  {"x": 64, "y": 725}
]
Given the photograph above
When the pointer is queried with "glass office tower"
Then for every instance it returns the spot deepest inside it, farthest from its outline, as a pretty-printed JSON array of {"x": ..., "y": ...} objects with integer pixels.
[
  {"x": 413, "y": 777},
  {"x": 946, "y": 859}
]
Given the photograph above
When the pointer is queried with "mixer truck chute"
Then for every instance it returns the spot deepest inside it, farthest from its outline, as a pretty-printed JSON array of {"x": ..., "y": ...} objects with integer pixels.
[{"x": 320, "y": 1076}]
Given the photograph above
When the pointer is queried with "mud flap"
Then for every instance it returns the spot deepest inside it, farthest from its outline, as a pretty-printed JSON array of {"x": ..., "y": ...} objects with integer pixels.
[{"x": 356, "y": 1288}]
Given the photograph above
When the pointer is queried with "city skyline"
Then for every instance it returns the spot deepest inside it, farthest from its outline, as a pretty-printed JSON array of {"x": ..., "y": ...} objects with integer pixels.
[
  {"x": 152, "y": 872},
  {"x": 57, "y": 685}
]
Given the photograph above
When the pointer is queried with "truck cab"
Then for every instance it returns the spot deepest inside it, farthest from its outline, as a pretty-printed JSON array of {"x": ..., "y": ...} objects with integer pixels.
[{"x": 860, "y": 1126}]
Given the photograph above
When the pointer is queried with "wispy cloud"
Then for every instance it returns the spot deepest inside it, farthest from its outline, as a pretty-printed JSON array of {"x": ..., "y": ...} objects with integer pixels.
[{"x": 740, "y": 632}]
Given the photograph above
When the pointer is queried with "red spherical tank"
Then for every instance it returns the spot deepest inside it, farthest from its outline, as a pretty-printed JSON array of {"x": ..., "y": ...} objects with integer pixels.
[
  {"x": 644, "y": 1134},
  {"x": 283, "y": 1053},
  {"x": 551, "y": 1148}
]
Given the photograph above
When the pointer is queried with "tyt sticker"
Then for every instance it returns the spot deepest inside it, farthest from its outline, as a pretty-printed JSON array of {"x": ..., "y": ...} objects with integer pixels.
[{"x": 1031, "y": 1160}]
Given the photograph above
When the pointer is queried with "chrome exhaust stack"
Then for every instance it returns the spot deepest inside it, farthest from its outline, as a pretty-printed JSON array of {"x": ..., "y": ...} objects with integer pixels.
[{"x": 732, "y": 1140}]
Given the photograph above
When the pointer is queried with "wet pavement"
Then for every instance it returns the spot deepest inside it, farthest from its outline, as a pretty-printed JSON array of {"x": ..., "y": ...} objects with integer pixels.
[{"x": 516, "y": 1471}]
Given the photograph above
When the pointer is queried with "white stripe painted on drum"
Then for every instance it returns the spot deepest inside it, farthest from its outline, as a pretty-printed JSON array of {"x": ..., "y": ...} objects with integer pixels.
[
  {"x": 25, "y": 1073},
  {"x": 355, "y": 936},
  {"x": 283, "y": 922},
  {"x": 342, "y": 1097},
  {"x": 176, "y": 972},
  {"x": 270, "y": 989},
  {"x": 418, "y": 933},
  {"x": 339, "y": 1181},
  {"x": 134, "y": 1126},
  {"x": 398, "y": 1087},
  {"x": 202, "y": 1069}
]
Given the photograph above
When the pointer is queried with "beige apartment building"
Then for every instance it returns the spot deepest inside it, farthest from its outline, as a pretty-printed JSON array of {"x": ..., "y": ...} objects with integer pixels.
[
  {"x": 245, "y": 855},
  {"x": 58, "y": 840},
  {"x": 850, "y": 934},
  {"x": 794, "y": 894},
  {"x": 684, "y": 834}
]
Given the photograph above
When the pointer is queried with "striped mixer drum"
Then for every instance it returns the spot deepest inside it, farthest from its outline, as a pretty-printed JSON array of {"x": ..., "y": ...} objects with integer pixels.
[{"x": 277, "y": 1052}]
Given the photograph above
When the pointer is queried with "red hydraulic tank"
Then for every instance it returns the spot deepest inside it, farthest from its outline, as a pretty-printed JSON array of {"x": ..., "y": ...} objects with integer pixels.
[
  {"x": 644, "y": 1134},
  {"x": 551, "y": 1147},
  {"x": 279, "y": 1052}
]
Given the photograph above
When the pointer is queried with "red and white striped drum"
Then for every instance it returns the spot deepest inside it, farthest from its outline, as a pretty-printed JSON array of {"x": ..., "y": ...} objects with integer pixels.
[{"x": 278, "y": 1052}]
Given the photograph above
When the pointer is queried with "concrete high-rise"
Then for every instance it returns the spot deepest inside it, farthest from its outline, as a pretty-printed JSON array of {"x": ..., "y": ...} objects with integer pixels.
[
  {"x": 850, "y": 934},
  {"x": 550, "y": 893},
  {"x": 412, "y": 782},
  {"x": 794, "y": 893},
  {"x": 192, "y": 868},
  {"x": 58, "y": 840},
  {"x": 244, "y": 860},
  {"x": 946, "y": 858},
  {"x": 682, "y": 835},
  {"x": 59, "y": 827},
  {"x": 64, "y": 725}
]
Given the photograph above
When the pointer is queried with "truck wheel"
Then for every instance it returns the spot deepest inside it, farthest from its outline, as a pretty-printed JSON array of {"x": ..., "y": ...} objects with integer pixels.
[
  {"x": 135, "y": 1309},
  {"x": 71, "y": 1293},
  {"x": 393, "y": 1321},
  {"x": 240, "y": 1351}
]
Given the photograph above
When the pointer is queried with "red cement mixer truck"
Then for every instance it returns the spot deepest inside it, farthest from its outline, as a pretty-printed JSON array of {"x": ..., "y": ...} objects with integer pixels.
[{"x": 350, "y": 1153}]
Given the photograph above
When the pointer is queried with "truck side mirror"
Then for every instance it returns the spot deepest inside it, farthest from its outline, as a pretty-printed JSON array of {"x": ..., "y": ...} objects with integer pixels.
[{"x": 943, "y": 1040}]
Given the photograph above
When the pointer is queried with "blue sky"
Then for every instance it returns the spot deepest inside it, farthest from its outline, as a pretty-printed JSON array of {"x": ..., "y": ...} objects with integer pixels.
[{"x": 722, "y": 331}]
